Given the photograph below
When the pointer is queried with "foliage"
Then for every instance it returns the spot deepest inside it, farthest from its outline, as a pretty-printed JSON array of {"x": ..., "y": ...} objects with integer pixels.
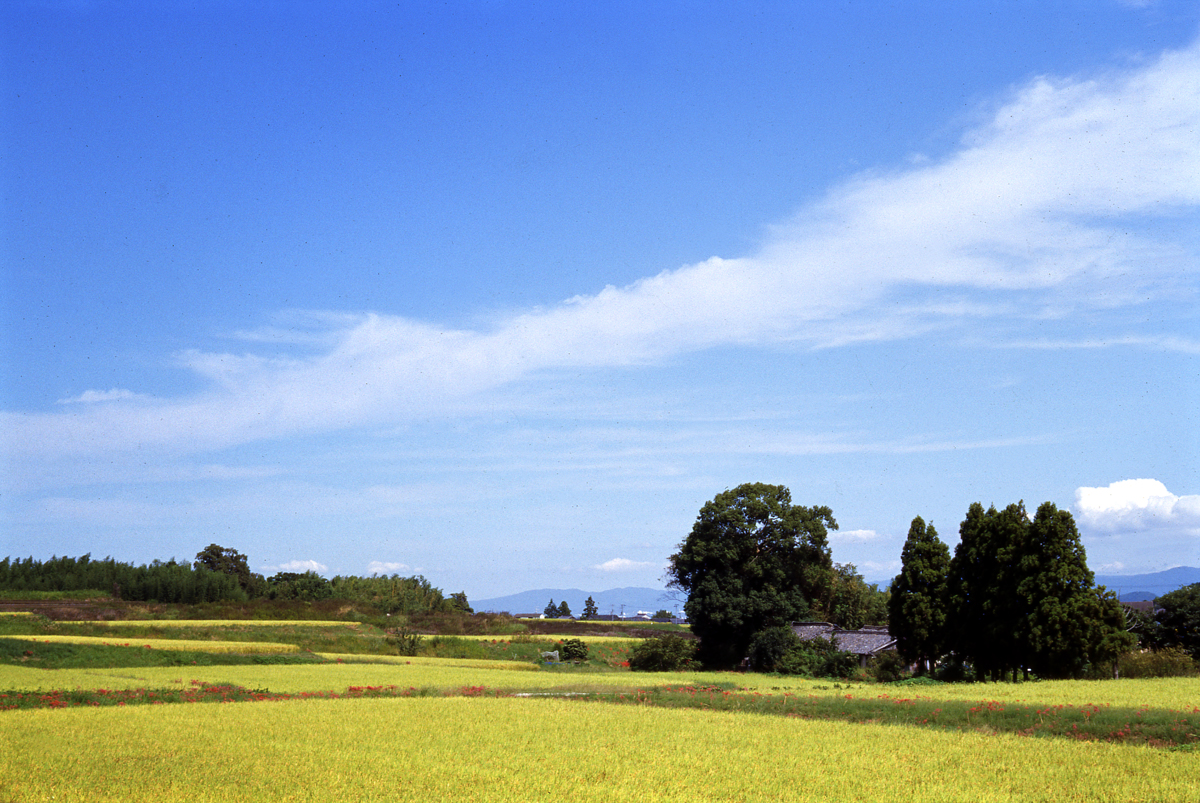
[
  {"x": 589, "y": 609},
  {"x": 226, "y": 560},
  {"x": 1021, "y": 597},
  {"x": 406, "y": 641},
  {"x": 850, "y": 602},
  {"x": 887, "y": 667},
  {"x": 573, "y": 649},
  {"x": 752, "y": 561},
  {"x": 917, "y": 606},
  {"x": 1169, "y": 662},
  {"x": 459, "y": 601},
  {"x": 160, "y": 582},
  {"x": 662, "y": 613},
  {"x": 669, "y": 653},
  {"x": 308, "y": 586},
  {"x": 393, "y": 594},
  {"x": 769, "y": 646},
  {"x": 551, "y": 610},
  {"x": 1178, "y": 619},
  {"x": 817, "y": 657},
  {"x": 564, "y": 610}
]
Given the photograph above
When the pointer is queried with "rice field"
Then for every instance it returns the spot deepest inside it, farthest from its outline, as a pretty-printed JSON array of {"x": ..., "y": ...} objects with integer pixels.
[
  {"x": 489, "y": 749},
  {"x": 453, "y": 743},
  {"x": 185, "y": 645},
  {"x": 203, "y": 623}
]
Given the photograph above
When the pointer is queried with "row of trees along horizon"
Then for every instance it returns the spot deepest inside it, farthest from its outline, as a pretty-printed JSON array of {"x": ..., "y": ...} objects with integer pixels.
[
  {"x": 221, "y": 574},
  {"x": 1016, "y": 597}
]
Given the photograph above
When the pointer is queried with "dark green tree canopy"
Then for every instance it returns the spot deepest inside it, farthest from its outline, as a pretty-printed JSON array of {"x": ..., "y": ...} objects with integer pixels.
[
  {"x": 917, "y": 606},
  {"x": 1022, "y": 597},
  {"x": 589, "y": 609},
  {"x": 1178, "y": 619},
  {"x": 564, "y": 610},
  {"x": 753, "y": 560},
  {"x": 229, "y": 561},
  {"x": 551, "y": 610},
  {"x": 460, "y": 603}
]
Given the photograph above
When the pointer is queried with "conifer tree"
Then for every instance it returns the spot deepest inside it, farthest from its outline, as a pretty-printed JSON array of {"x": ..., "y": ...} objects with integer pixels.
[
  {"x": 1021, "y": 597},
  {"x": 589, "y": 609},
  {"x": 984, "y": 627},
  {"x": 917, "y": 606}
]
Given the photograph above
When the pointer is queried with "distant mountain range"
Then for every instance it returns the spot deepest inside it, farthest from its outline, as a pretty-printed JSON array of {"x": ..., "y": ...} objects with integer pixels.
[
  {"x": 1132, "y": 587},
  {"x": 628, "y": 601},
  {"x": 619, "y": 601}
]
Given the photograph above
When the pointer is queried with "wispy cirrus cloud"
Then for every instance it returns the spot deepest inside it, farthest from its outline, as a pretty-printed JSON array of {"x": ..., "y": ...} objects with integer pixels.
[{"x": 1025, "y": 220}]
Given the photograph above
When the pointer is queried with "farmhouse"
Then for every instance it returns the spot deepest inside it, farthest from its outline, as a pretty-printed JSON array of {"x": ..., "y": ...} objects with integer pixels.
[{"x": 864, "y": 642}]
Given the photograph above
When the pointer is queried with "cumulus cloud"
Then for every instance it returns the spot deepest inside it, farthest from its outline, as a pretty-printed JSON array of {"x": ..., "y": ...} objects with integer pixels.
[
  {"x": 379, "y": 567},
  {"x": 1027, "y": 218},
  {"x": 1138, "y": 505},
  {"x": 299, "y": 567},
  {"x": 623, "y": 565}
]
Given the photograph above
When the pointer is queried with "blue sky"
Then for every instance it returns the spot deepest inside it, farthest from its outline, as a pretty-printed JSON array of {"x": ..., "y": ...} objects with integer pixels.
[{"x": 501, "y": 293}]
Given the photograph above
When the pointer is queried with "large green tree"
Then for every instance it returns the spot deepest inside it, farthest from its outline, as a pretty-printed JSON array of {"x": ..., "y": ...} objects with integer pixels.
[
  {"x": 227, "y": 560},
  {"x": 753, "y": 560},
  {"x": 850, "y": 601},
  {"x": 917, "y": 606},
  {"x": 983, "y": 624},
  {"x": 1023, "y": 599},
  {"x": 1069, "y": 623}
]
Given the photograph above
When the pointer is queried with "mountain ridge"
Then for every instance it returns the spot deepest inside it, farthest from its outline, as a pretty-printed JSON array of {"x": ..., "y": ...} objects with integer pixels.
[
  {"x": 627, "y": 601},
  {"x": 631, "y": 599}
]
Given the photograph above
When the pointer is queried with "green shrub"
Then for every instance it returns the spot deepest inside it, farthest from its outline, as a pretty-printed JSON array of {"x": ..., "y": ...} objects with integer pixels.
[
  {"x": 817, "y": 658},
  {"x": 887, "y": 667},
  {"x": 573, "y": 649},
  {"x": 404, "y": 640},
  {"x": 669, "y": 653},
  {"x": 1171, "y": 662},
  {"x": 769, "y": 646}
]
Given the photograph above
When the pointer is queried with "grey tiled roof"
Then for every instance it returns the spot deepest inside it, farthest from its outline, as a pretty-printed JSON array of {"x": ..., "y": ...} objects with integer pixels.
[
  {"x": 806, "y": 631},
  {"x": 862, "y": 642},
  {"x": 867, "y": 641}
]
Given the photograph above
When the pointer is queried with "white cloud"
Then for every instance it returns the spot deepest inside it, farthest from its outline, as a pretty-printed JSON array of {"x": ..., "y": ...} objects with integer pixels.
[
  {"x": 854, "y": 535},
  {"x": 299, "y": 567},
  {"x": 1029, "y": 217},
  {"x": 379, "y": 567},
  {"x": 1139, "y": 505},
  {"x": 94, "y": 396},
  {"x": 623, "y": 565}
]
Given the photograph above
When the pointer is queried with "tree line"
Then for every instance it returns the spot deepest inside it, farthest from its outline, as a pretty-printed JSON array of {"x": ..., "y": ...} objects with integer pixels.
[
  {"x": 1016, "y": 597},
  {"x": 220, "y": 574}
]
